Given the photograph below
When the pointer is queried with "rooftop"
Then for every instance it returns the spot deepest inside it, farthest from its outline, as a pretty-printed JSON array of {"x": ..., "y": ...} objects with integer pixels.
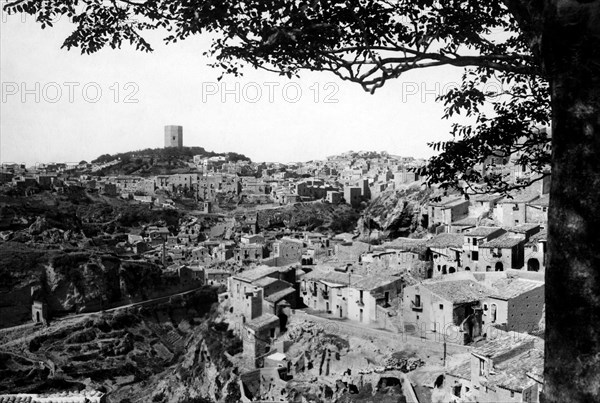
[
  {"x": 503, "y": 345},
  {"x": 523, "y": 228},
  {"x": 279, "y": 295},
  {"x": 520, "y": 197},
  {"x": 405, "y": 244},
  {"x": 540, "y": 236},
  {"x": 482, "y": 231},
  {"x": 462, "y": 371},
  {"x": 458, "y": 291},
  {"x": 257, "y": 273},
  {"x": 465, "y": 222},
  {"x": 513, "y": 374},
  {"x": 277, "y": 357},
  {"x": 487, "y": 197},
  {"x": 263, "y": 321},
  {"x": 369, "y": 283},
  {"x": 264, "y": 281},
  {"x": 503, "y": 241},
  {"x": 507, "y": 288},
  {"x": 448, "y": 202},
  {"x": 543, "y": 201},
  {"x": 446, "y": 240},
  {"x": 331, "y": 276}
]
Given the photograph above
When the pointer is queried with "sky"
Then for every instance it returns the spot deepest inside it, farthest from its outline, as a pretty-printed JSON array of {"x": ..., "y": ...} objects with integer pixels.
[{"x": 61, "y": 106}]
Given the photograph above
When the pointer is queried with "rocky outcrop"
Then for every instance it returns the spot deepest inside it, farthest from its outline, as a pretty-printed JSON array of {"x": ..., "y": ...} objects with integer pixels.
[
  {"x": 74, "y": 282},
  {"x": 393, "y": 214}
]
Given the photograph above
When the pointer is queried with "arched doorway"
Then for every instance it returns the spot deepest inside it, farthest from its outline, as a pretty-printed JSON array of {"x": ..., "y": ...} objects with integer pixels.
[
  {"x": 452, "y": 270},
  {"x": 467, "y": 268},
  {"x": 444, "y": 270},
  {"x": 499, "y": 266},
  {"x": 533, "y": 265}
]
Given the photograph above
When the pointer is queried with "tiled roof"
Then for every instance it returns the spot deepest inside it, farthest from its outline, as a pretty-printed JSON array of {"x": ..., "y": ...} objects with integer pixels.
[
  {"x": 482, "y": 231},
  {"x": 331, "y": 276},
  {"x": 504, "y": 344},
  {"x": 520, "y": 197},
  {"x": 462, "y": 371},
  {"x": 465, "y": 222},
  {"x": 262, "y": 321},
  {"x": 15, "y": 399},
  {"x": 265, "y": 281},
  {"x": 257, "y": 273},
  {"x": 512, "y": 374},
  {"x": 540, "y": 236},
  {"x": 458, "y": 291},
  {"x": 543, "y": 201},
  {"x": 523, "y": 228},
  {"x": 279, "y": 295},
  {"x": 507, "y": 288},
  {"x": 503, "y": 241},
  {"x": 446, "y": 240},
  {"x": 369, "y": 283},
  {"x": 448, "y": 202}
]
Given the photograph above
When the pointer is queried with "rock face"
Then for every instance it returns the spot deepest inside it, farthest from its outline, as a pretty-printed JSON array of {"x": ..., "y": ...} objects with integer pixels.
[
  {"x": 73, "y": 281},
  {"x": 159, "y": 353},
  {"x": 393, "y": 214},
  {"x": 82, "y": 282},
  {"x": 314, "y": 216}
]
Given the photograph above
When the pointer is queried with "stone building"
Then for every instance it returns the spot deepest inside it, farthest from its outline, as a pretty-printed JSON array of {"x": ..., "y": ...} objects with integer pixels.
[
  {"x": 516, "y": 305},
  {"x": 449, "y": 309},
  {"x": 506, "y": 369},
  {"x": 173, "y": 136}
]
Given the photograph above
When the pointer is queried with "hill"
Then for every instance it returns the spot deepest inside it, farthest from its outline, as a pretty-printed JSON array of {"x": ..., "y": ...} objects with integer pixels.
[{"x": 158, "y": 161}]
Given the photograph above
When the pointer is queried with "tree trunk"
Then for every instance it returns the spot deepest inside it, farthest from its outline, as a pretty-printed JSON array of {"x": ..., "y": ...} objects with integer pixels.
[{"x": 571, "y": 53}]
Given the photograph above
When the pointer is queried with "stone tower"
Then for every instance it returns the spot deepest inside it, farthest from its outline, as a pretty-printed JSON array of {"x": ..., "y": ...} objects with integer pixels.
[{"x": 173, "y": 136}]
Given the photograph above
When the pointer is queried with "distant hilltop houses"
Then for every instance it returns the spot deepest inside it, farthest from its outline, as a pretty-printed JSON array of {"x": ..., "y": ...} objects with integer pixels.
[{"x": 352, "y": 177}]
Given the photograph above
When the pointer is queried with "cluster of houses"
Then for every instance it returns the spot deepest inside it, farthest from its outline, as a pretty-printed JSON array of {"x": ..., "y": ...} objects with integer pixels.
[
  {"x": 384, "y": 291},
  {"x": 351, "y": 177},
  {"x": 475, "y": 279}
]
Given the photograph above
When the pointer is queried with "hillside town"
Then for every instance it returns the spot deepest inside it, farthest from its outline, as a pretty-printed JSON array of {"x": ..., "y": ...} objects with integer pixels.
[{"x": 463, "y": 288}]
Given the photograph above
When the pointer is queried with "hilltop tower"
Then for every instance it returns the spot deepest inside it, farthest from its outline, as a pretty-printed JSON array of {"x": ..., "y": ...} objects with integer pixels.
[{"x": 173, "y": 136}]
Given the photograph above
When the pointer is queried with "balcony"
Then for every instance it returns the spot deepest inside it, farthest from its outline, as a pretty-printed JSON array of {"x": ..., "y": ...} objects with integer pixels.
[
  {"x": 360, "y": 302},
  {"x": 416, "y": 307}
]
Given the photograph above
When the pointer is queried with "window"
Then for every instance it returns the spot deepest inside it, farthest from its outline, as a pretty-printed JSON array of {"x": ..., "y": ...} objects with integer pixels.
[
  {"x": 474, "y": 256},
  {"x": 485, "y": 308},
  {"x": 441, "y": 306},
  {"x": 417, "y": 300},
  {"x": 474, "y": 241},
  {"x": 482, "y": 368}
]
